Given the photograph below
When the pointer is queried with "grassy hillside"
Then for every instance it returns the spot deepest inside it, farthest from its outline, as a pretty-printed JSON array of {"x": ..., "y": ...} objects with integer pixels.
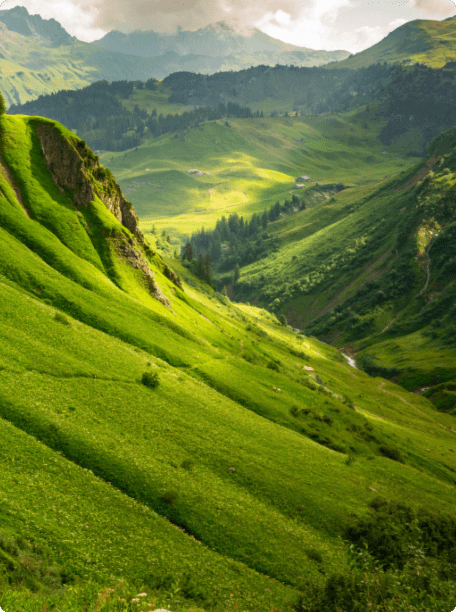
[
  {"x": 425, "y": 41},
  {"x": 248, "y": 167},
  {"x": 155, "y": 433}
]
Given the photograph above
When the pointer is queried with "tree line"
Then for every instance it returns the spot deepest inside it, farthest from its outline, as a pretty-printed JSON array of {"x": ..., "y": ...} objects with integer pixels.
[{"x": 97, "y": 114}]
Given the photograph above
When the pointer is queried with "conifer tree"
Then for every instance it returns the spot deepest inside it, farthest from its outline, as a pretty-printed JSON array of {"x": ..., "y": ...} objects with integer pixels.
[
  {"x": 200, "y": 266},
  {"x": 208, "y": 269},
  {"x": 237, "y": 274},
  {"x": 189, "y": 252},
  {"x": 2, "y": 105}
]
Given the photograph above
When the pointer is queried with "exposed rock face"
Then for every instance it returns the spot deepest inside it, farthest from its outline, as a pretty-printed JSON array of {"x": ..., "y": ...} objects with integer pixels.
[
  {"x": 74, "y": 167},
  {"x": 69, "y": 167},
  {"x": 65, "y": 164},
  {"x": 136, "y": 260}
]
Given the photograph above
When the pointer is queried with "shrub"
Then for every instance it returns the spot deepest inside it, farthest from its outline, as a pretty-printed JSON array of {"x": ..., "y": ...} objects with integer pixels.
[
  {"x": 187, "y": 465},
  {"x": 169, "y": 497},
  {"x": 327, "y": 419},
  {"x": 61, "y": 318},
  {"x": 150, "y": 379},
  {"x": 308, "y": 383},
  {"x": 272, "y": 365},
  {"x": 283, "y": 320},
  {"x": 391, "y": 452},
  {"x": 314, "y": 555},
  {"x": 348, "y": 401},
  {"x": 294, "y": 410}
]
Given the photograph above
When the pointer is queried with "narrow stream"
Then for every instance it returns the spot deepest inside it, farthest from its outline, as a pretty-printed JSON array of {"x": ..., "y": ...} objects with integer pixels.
[{"x": 351, "y": 361}]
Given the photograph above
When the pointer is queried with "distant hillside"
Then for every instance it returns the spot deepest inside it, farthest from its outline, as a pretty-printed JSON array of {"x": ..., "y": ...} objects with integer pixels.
[
  {"x": 39, "y": 57},
  {"x": 211, "y": 49},
  {"x": 117, "y": 116},
  {"x": 429, "y": 42}
]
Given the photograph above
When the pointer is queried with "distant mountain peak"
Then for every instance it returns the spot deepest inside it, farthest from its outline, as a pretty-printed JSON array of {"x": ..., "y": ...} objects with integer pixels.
[
  {"x": 19, "y": 20},
  {"x": 217, "y": 40}
]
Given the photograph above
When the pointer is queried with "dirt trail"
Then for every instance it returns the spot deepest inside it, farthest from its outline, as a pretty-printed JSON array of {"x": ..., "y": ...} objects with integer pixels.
[{"x": 380, "y": 388}]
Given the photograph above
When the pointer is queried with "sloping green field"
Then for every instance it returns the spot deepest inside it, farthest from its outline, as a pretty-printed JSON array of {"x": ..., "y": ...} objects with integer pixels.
[
  {"x": 229, "y": 484},
  {"x": 247, "y": 167}
]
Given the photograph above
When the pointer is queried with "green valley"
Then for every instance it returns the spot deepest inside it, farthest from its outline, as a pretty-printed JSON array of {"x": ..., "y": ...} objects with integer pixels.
[
  {"x": 227, "y": 322},
  {"x": 182, "y": 450}
]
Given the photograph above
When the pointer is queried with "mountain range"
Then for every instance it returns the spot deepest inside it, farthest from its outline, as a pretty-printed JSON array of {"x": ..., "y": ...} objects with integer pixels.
[{"x": 38, "y": 56}]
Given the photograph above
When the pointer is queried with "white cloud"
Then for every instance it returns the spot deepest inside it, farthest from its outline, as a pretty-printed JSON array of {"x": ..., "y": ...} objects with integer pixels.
[
  {"x": 319, "y": 24},
  {"x": 366, "y": 36},
  {"x": 435, "y": 7},
  {"x": 311, "y": 28}
]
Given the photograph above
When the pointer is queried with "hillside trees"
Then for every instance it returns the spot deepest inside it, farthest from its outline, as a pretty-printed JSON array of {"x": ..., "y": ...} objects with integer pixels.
[
  {"x": 237, "y": 241},
  {"x": 101, "y": 119}
]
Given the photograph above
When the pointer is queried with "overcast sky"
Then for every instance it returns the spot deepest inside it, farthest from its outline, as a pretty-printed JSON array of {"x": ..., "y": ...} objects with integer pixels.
[{"x": 353, "y": 25}]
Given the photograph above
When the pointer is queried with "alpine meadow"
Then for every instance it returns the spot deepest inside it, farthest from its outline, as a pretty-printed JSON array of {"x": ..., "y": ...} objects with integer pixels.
[{"x": 227, "y": 321}]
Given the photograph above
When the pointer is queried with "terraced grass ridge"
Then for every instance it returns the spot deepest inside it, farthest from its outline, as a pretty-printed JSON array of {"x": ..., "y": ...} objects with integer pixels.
[{"x": 161, "y": 446}]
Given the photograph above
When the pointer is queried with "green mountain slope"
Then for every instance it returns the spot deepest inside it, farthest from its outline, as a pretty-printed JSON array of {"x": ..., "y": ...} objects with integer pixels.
[
  {"x": 231, "y": 481},
  {"x": 372, "y": 267},
  {"x": 39, "y": 57},
  {"x": 430, "y": 42}
]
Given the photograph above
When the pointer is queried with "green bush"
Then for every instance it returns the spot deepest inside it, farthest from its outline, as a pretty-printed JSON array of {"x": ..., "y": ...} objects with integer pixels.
[
  {"x": 61, "y": 318},
  {"x": 391, "y": 452},
  {"x": 169, "y": 497},
  {"x": 327, "y": 419},
  {"x": 150, "y": 379},
  {"x": 314, "y": 555},
  {"x": 294, "y": 411},
  {"x": 187, "y": 465},
  {"x": 273, "y": 366}
]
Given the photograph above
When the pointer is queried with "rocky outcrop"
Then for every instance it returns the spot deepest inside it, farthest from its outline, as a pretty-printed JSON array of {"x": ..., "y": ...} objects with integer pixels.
[
  {"x": 172, "y": 276},
  {"x": 75, "y": 168},
  {"x": 133, "y": 255}
]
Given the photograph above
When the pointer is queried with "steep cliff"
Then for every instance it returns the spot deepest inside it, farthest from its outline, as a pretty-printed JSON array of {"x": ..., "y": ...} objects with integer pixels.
[{"x": 77, "y": 172}]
